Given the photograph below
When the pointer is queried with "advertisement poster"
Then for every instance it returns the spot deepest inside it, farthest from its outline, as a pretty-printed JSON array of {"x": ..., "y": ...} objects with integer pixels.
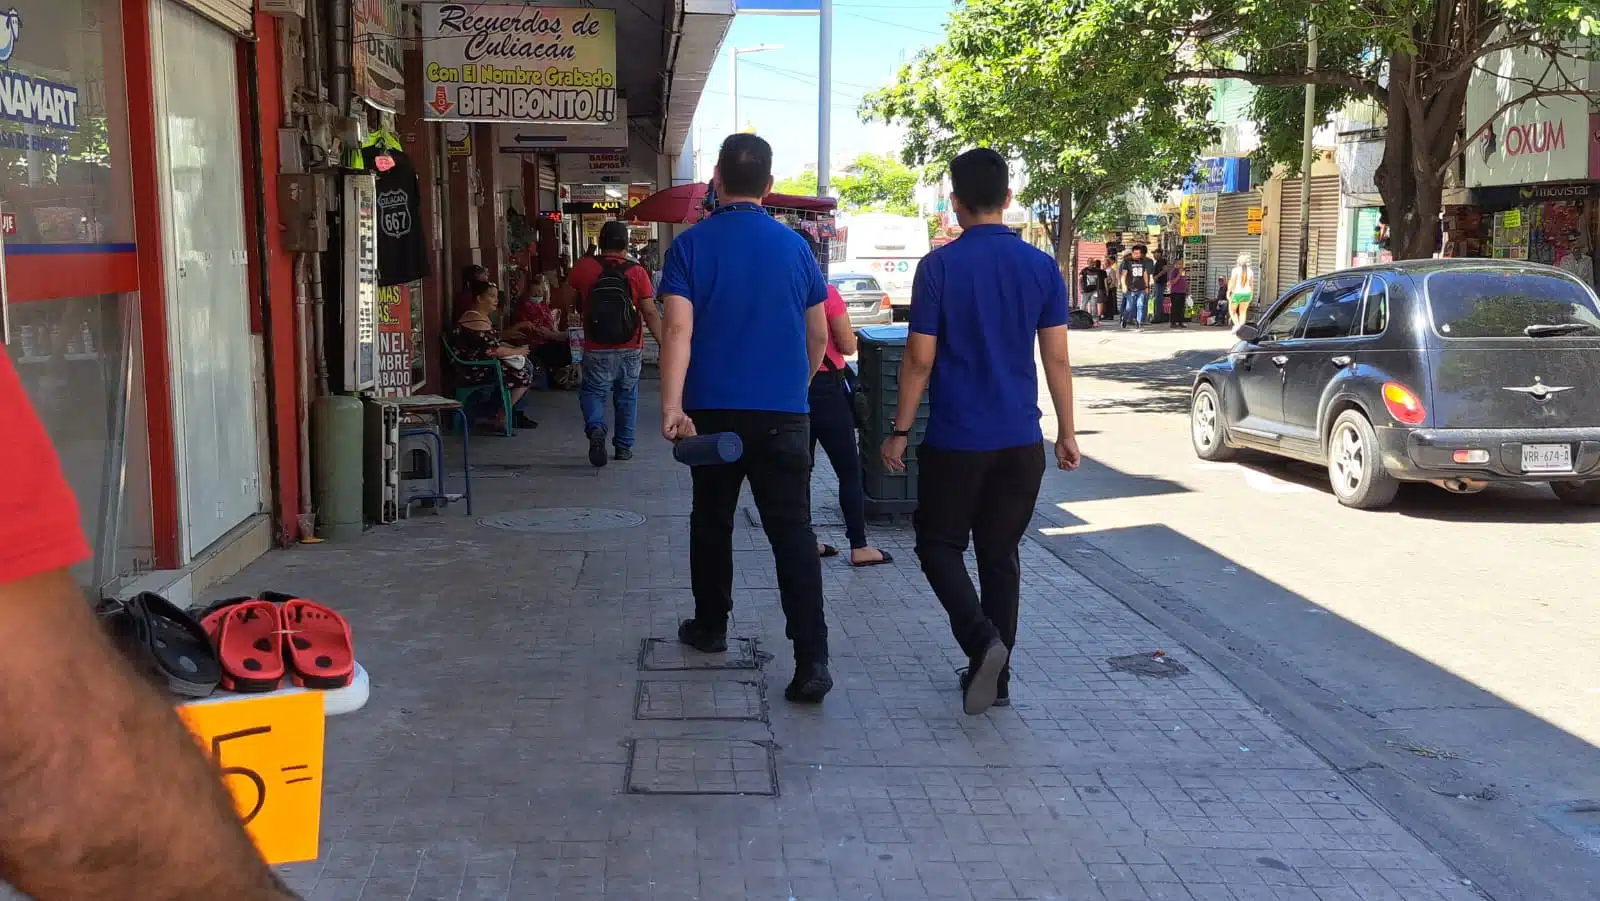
[
  {"x": 595, "y": 169},
  {"x": 486, "y": 63},
  {"x": 361, "y": 282},
  {"x": 394, "y": 342},
  {"x": 375, "y": 53},
  {"x": 1207, "y": 204}
]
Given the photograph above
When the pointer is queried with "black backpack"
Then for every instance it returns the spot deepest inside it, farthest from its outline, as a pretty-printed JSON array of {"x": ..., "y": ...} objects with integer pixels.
[{"x": 609, "y": 314}]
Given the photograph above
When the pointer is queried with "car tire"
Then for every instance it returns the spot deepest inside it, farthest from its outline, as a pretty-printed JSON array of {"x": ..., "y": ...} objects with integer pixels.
[
  {"x": 1579, "y": 494},
  {"x": 1355, "y": 465},
  {"x": 1208, "y": 426}
]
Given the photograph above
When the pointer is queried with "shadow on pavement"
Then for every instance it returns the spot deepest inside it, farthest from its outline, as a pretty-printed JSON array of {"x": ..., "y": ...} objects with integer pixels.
[{"x": 1163, "y": 384}]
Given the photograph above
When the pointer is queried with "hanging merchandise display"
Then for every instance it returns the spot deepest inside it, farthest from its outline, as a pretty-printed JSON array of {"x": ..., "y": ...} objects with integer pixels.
[{"x": 402, "y": 249}]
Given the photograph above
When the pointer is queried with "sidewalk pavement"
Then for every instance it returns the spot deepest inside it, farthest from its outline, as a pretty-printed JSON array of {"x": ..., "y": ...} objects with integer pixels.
[{"x": 533, "y": 732}]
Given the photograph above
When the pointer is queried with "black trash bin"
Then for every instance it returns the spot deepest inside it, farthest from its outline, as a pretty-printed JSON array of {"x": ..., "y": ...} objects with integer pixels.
[{"x": 880, "y": 349}]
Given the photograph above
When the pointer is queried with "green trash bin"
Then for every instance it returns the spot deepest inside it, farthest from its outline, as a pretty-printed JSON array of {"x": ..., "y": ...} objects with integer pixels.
[{"x": 880, "y": 350}]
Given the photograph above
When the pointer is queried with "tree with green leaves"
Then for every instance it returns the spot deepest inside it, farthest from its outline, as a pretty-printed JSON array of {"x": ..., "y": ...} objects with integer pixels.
[
  {"x": 802, "y": 185},
  {"x": 871, "y": 182},
  {"x": 1412, "y": 59},
  {"x": 1083, "y": 143}
]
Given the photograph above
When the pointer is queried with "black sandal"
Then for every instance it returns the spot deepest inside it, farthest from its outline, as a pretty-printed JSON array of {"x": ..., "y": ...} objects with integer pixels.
[
  {"x": 164, "y": 642},
  {"x": 827, "y": 551},
  {"x": 886, "y": 558}
]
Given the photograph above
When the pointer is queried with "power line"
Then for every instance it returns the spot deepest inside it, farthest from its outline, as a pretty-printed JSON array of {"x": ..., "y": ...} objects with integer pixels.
[
  {"x": 809, "y": 81},
  {"x": 797, "y": 75},
  {"x": 937, "y": 34}
]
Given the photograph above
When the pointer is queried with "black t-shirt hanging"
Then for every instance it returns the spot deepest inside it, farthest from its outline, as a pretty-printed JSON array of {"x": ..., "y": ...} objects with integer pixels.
[{"x": 402, "y": 253}]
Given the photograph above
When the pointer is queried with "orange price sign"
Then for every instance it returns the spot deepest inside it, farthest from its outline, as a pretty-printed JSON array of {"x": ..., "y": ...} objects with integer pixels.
[{"x": 269, "y": 750}]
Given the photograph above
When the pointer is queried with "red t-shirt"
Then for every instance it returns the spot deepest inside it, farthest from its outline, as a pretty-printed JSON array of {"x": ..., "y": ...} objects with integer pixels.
[
  {"x": 39, "y": 528},
  {"x": 587, "y": 271},
  {"x": 833, "y": 305}
]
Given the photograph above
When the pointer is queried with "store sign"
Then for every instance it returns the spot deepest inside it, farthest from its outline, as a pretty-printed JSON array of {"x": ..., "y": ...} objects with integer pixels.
[
  {"x": 637, "y": 194},
  {"x": 1254, "y": 215},
  {"x": 32, "y": 100},
  {"x": 394, "y": 342},
  {"x": 1189, "y": 217},
  {"x": 361, "y": 283},
  {"x": 530, "y": 138},
  {"x": 1219, "y": 175},
  {"x": 581, "y": 208},
  {"x": 583, "y": 193},
  {"x": 519, "y": 63},
  {"x": 269, "y": 751},
  {"x": 595, "y": 168},
  {"x": 375, "y": 52},
  {"x": 1207, "y": 213},
  {"x": 1539, "y": 140}
]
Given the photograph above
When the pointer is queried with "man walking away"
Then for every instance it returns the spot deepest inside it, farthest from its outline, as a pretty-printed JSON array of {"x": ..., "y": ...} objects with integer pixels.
[
  {"x": 745, "y": 332},
  {"x": 1159, "y": 272},
  {"x": 1091, "y": 288},
  {"x": 977, "y": 305},
  {"x": 1135, "y": 278},
  {"x": 614, "y": 298}
]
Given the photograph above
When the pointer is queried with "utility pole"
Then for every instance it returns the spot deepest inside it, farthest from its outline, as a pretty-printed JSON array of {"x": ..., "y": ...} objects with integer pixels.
[
  {"x": 733, "y": 78},
  {"x": 824, "y": 92},
  {"x": 1306, "y": 153}
]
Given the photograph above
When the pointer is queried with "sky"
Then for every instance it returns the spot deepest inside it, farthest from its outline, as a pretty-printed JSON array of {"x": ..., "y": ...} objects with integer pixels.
[{"x": 778, "y": 88}]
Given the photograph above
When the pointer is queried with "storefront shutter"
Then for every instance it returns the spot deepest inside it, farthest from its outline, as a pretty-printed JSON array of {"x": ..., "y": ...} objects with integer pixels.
[
  {"x": 548, "y": 176},
  {"x": 1324, "y": 231},
  {"x": 238, "y": 16},
  {"x": 1231, "y": 238}
]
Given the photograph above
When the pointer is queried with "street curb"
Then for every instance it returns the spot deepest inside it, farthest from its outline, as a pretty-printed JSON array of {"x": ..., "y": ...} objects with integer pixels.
[{"x": 1331, "y": 728}]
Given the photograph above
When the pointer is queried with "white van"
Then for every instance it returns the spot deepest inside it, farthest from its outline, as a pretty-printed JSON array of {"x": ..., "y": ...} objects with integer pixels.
[{"x": 884, "y": 246}]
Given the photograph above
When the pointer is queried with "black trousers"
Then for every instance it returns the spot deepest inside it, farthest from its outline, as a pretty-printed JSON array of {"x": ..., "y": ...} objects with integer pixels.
[
  {"x": 833, "y": 425},
  {"x": 777, "y": 461},
  {"x": 989, "y": 497}
]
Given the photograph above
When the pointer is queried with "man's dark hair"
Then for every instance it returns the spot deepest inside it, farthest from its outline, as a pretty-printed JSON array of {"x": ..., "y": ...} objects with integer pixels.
[
  {"x": 745, "y": 165},
  {"x": 980, "y": 179},
  {"x": 614, "y": 236}
]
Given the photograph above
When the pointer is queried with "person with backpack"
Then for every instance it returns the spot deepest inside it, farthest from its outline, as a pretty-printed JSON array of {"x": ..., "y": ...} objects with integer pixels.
[{"x": 615, "y": 302}]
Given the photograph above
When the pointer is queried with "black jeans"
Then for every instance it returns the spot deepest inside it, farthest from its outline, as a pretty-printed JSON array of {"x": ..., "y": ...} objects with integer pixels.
[
  {"x": 1180, "y": 309},
  {"x": 989, "y": 496},
  {"x": 777, "y": 461},
  {"x": 833, "y": 425}
]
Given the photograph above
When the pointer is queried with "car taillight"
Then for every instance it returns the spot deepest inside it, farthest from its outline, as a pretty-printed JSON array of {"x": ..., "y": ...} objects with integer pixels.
[
  {"x": 885, "y": 304},
  {"x": 1403, "y": 403}
]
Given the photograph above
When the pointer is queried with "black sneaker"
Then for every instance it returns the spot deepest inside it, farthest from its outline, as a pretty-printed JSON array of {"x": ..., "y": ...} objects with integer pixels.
[
  {"x": 523, "y": 422},
  {"x": 597, "y": 447},
  {"x": 982, "y": 683},
  {"x": 702, "y": 638},
  {"x": 1002, "y": 695},
  {"x": 811, "y": 683},
  {"x": 624, "y": 453}
]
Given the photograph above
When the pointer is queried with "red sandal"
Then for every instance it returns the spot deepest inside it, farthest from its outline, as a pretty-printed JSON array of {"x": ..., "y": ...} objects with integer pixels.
[
  {"x": 319, "y": 649},
  {"x": 248, "y": 636}
]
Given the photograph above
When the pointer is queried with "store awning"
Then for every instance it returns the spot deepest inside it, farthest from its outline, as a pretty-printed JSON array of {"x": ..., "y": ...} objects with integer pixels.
[{"x": 683, "y": 204}]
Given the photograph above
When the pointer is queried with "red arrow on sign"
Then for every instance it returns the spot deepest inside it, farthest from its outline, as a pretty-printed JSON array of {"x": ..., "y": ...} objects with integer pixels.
[{"x": 441, "y": 102}]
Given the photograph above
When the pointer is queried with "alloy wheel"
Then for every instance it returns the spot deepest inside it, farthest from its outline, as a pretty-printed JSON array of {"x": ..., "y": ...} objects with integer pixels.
[
  {"x": 1349, "y": 460},
  {"x": 1204, "y": 420}
]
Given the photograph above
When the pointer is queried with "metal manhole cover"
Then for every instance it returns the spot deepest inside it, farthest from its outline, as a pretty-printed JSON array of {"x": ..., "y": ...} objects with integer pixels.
[{"x": 564, "y": 519}]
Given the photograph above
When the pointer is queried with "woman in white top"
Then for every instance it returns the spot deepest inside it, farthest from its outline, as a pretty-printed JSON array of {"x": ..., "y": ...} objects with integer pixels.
[{"x": 1241, "y": 290}]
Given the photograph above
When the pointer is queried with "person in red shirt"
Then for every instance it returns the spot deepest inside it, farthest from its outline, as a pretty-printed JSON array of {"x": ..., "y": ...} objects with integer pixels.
[
  {"x": 103, "y": 792},
  {"x": 615, "y": 303}
]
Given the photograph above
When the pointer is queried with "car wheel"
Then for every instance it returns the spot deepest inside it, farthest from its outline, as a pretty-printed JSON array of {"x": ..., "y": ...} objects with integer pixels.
[
  {"x": 1207, "y": 427},
  {"x": 1582, "y": 494},
  {"x": 1355, "y": 467}
]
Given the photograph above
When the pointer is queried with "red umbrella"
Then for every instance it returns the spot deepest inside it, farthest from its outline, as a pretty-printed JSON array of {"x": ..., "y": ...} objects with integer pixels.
[{"x": 681, "y": 204}]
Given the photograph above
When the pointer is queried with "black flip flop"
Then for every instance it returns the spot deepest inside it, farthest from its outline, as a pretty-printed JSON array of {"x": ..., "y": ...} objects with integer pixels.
[
  {"x": 887, "y": 558},
  {"x": 167, "y": 642},
  {"x": 827, "y": 551}
]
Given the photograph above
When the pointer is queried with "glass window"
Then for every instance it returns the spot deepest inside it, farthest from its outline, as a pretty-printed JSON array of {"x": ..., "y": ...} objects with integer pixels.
[
  {"x": 854, "y": 284},
  {"x": 1376, "y": 316},
  {"x": 1285, "y": 320},
  {"x": 1509, "y": 303},
  {"x": 1337, "y": 307}
]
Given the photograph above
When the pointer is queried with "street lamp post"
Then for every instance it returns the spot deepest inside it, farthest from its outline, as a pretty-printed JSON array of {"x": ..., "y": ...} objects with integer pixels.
[{"x": 733, "y": 76}]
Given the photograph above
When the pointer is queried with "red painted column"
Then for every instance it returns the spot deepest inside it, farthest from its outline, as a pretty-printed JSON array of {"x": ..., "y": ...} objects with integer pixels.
[{"x": 138, "y": 69}]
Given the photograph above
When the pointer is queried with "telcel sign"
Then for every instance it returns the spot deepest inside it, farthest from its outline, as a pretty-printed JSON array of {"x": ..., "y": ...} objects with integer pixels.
[{"x": 1537, "y": 141}]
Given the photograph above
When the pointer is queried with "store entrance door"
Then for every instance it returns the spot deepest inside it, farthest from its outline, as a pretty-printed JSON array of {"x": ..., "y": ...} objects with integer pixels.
[{"x": 208, "y": 299}]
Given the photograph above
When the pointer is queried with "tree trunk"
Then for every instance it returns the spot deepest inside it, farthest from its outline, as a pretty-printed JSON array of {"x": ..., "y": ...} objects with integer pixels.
[
  {"x": 1408, "y": 176},
  {"x": 1066, "y": 234}
]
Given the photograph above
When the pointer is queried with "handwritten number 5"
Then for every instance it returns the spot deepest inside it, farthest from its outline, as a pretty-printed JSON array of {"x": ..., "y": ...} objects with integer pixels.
[{"x": 246, "y": 772}]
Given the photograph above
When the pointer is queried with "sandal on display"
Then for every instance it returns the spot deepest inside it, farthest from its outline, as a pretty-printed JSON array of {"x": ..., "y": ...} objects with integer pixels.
[
  {"x": 248, "y": 635},
  {"x": 319, "y": 651},
  {"x": 165, "y": 642}
]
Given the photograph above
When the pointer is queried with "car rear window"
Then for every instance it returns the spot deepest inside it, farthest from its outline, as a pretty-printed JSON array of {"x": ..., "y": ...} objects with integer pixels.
[
  {"x": 1503, "y": 304},
  {"x": 847, "y": 285}
]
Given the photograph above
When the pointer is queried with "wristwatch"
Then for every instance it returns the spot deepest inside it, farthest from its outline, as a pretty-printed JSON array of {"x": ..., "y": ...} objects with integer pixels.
[{"x": 900, "y": 433}]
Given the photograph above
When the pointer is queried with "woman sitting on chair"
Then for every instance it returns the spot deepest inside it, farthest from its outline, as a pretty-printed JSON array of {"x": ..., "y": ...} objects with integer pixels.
[
  {"x": 538, "y": 324},
  {"x": 475, "y": 339}
]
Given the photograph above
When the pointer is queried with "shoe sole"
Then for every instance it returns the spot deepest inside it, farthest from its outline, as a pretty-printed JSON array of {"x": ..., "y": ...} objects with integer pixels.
[
  {"x": 597, "y": 449},
  {"x": 984, "y": 688},
  {"x": 812, "y": 692}
]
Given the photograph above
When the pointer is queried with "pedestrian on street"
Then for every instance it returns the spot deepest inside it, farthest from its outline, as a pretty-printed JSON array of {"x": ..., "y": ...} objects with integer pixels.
[
  {"x": 1178, "y": 293},
  {"x": 103, "y": 791},
  {"x": 977, "y": 306},
  {"x": 745, "y": 332},
  {"x": 1159, "y": 272},
  {"x": 616, "y": 302},
  {"x": 1091, "y": 288},
  {"x": 1241, "y": 290},
  {"x": 1135, "y": 274},
  {"x": 833, "y": 425}
]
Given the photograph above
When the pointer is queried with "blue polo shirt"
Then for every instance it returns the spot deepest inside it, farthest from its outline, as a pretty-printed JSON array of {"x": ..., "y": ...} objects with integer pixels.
[
  {"x": 985, "y": 296},
  {"x": 750, "y": 279}
]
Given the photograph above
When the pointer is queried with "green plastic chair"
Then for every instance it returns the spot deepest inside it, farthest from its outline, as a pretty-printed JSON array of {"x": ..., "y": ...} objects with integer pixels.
[{"x": 466, "y": 393}]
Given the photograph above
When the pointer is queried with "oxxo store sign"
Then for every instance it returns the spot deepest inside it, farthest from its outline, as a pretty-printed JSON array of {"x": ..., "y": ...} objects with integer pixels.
[{"x": 1536, "y": 141}]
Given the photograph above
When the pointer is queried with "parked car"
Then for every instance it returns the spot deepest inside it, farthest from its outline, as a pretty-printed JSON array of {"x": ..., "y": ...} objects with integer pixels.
[
  {"x": 1456, "y": 372},
  {"x": 867, "y": 301}
]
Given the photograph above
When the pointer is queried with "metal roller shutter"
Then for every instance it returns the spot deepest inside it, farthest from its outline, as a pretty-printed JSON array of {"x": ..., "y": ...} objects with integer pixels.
[
  {"x": 1324, "y": 231},
  {"x": 1231, "y": 239},
  {"x": 549, "y": 174},
  {"x": 238, "y": 16}
]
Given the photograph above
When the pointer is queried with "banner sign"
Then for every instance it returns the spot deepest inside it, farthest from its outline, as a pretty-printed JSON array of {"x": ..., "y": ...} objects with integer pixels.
[
  {"x": 375, "y": 53},
  {"x": 519, "y": 63},
  {"x": 595, "y": 169},
  {"x": 586, "y": 207},
  {"x": 1207, "y": 204},
  {"x": 525, "y": 138},
  {"x": 394, "y": 342}
]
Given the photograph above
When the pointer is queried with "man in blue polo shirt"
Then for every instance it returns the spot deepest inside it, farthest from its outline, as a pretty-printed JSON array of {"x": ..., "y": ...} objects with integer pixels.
[
  {"x": 745, "y": 332},
  {"x": 977, "y": 306}
]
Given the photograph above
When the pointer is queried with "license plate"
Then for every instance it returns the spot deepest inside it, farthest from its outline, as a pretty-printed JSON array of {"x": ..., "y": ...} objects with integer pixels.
[
  {"x": 864, "y": 307},
  {"x": 1547, "y": 458}
]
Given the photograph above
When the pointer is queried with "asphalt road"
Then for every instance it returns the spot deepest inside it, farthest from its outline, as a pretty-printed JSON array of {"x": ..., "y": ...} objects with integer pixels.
[{"x": 1445, "y": 652}]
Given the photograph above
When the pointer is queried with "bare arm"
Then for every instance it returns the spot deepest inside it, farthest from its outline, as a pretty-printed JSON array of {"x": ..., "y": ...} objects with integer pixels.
[
  {"x": 915, "y": 369},
  {"x": 844, "y": 337},
  {"x": 652, "y": 317},
  {"x": 1058, "y": 375},
  {"x": 674, "y": 341},
  {"x": 816, "y": 337},
  {"x": 103, "y": 792}
]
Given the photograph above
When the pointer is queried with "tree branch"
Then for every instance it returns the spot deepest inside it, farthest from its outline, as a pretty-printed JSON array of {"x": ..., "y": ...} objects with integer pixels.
[{"x": 1289, "y": 80}]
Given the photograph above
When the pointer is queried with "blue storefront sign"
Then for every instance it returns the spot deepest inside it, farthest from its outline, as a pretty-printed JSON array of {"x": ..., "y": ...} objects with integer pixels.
[{"x": 1218, "y": 175}]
